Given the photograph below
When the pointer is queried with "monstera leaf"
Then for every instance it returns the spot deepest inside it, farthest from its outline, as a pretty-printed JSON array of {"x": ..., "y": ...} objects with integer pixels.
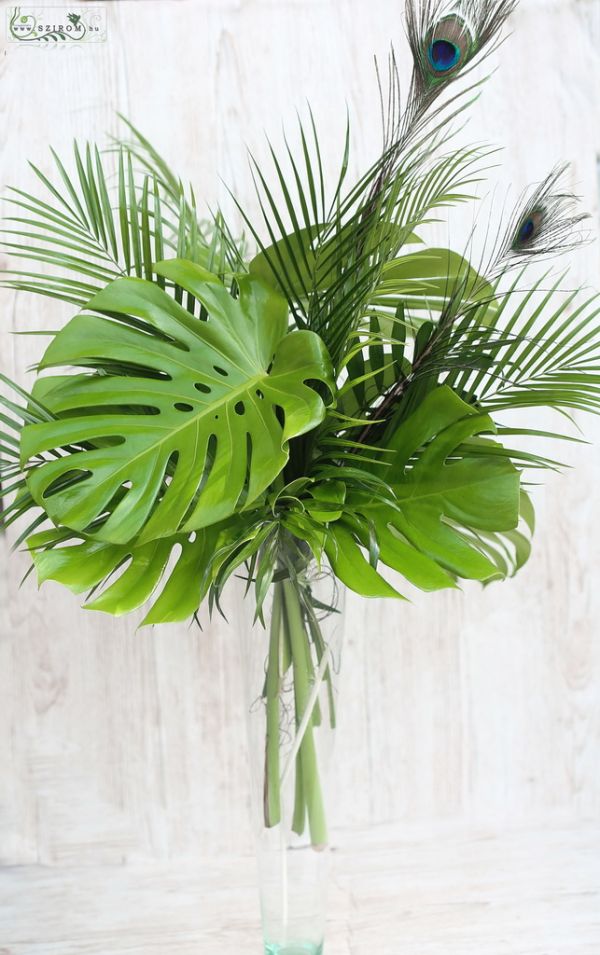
[
  {"x": 87, "y": 565},
  {"x": 183, "y": 419},
  {"x": 173, "y": 573},
  {"x": 453, "y": 504},
  {"x": 426, "y": 279}
]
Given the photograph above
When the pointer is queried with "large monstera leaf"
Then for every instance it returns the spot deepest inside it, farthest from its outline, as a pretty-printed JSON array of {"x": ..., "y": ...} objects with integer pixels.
[
  {"x": 182, "y": 419},
  {"x": 458, "y": 502},
  {"x": 140, "y": 571},
  {"x": 426, "y": 280}
]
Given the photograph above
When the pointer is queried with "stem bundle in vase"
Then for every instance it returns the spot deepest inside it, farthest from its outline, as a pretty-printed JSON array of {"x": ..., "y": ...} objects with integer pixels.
[{"x": 322, "y": 404}]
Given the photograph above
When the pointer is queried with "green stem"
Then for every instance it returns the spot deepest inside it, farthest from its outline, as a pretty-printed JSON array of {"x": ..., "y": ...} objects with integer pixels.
[
  {"x": 272, "y": 796},
  {"x": 299, "y": 818},
  {"x": 310, "y": 668},
  {"x": 302, "y": 675},
  {"x": 319, "y": 643}
]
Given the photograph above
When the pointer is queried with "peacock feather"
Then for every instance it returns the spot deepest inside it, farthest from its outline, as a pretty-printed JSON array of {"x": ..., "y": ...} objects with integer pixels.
[
  {"x": 446, "y": 36},
  {"x": 545, "y": 221}
]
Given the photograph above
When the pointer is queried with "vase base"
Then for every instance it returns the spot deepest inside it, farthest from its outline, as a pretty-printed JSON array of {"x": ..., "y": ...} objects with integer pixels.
[{"x": 293, "y": 948}]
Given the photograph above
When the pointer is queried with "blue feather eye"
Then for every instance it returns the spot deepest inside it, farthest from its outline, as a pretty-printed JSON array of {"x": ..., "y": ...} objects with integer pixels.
[
  {"x": 528, "y": 229},
  {"x": 443, "y": 55},
  {"x": 543, "y": 223},
  {"x": 445, "y": 36},
  {"x": 448, "y": 46}
]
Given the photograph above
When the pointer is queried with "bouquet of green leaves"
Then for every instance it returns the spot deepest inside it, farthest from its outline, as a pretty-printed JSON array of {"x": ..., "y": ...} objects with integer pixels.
[{"x": 336, "y": 397}]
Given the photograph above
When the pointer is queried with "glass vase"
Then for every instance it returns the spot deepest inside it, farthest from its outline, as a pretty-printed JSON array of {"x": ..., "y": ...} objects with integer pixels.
[{"x": 291, "y": 660}]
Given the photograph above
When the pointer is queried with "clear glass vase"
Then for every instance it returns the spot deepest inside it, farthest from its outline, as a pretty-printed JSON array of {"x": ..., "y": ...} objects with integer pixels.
[{"x": 291, "y": 664}]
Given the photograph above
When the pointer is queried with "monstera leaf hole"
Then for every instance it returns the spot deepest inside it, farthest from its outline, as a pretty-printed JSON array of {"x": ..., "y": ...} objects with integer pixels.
[
  {"x": 244, "y": 493},
  {"x": 129, "y": 409},
  {"x": 67, "y": 480},
  {"x": 211, "y": 453},
  {"x": 135, "y": 577}
]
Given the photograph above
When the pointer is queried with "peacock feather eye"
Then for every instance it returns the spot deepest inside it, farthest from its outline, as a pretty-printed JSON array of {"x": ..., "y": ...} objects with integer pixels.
[
  {"x": 443, "y": 55},
  {"x": 528, "y": 229},
  {"x": 445, "y": 37},
  {"x": 449, "y": 46}
]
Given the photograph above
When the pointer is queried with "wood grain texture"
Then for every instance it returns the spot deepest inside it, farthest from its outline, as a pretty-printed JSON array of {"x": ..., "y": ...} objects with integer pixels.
[
  {"x": 480, "y": 706},
  {"x": 530, "y": 892}
]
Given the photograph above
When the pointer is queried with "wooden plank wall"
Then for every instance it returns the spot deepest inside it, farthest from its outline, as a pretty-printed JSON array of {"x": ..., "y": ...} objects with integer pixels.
[{"x": 475, "y": 706}]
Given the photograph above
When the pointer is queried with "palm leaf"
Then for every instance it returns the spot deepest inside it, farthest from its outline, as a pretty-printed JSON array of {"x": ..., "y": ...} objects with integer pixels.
[
  {"x": 78, "y": 229},
  {"x": 213, "y": 234},
  {"x": 545, "y": 348}
]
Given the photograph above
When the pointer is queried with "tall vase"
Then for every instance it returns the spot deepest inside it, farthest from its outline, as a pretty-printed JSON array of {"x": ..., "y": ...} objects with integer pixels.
[{"x": 291, "y": 664}]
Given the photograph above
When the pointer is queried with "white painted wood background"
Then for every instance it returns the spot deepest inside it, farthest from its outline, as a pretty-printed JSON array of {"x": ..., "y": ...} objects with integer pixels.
[{"x": 466, "y": 709}]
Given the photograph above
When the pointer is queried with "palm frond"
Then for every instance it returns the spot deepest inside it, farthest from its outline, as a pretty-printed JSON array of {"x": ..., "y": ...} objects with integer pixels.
[
  {"x": 544, "y": 349},
  {"x": 330, "y": 262},
  {"x": 226, "y": 253},
  {"x": 13, "y": 474},
  {"x": 87, "y": 233}
]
